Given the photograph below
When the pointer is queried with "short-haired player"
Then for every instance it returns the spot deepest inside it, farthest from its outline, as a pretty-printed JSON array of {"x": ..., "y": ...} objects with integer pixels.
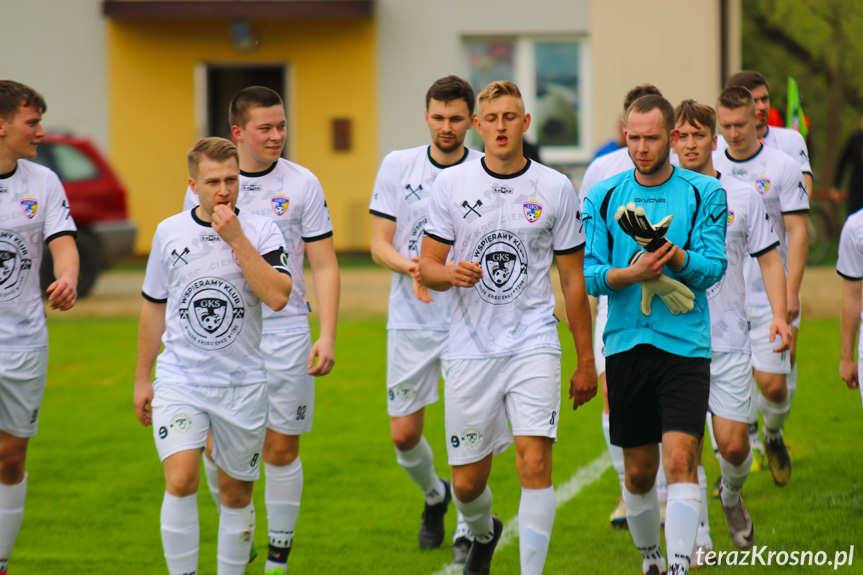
[{"x": 211, "y": 269}]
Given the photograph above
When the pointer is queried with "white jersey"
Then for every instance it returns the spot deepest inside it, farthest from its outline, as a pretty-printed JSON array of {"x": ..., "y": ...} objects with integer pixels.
[
  {"x": 402, "y": 191},
  {"x": 850, "y": 262},
  {"x": 785, "y": 140},
  {"x": 779, "y": 182},
  {"x": 749, "y": 233},
  {"x": 512, "y": 225},
  {"x": 212, "y": 318},
  {"x": 33, "y": 210},
  {"x": 292, "y": 197},
  {"x": 603, "y": 168}
]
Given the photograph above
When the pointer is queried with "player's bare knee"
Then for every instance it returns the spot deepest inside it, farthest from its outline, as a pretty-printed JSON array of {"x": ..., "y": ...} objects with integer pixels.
[
  {"x": 680, "y": 465},
  {"x": 640, "y": 481},
  {"x": 405, "y": 436},
  {"x": 735, "y": 451},
  {"x": 467, "y": 488},
  {"x": 13, "y": 456},
  {"x": 235, "y": 498},
  {"x": 182, "y": 483},
  {"x": 281, "y": 450},
  {"x": 772, "y": 386}
]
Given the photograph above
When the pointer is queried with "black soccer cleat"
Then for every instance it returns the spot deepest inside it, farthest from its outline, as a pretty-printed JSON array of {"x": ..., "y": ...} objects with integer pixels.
[
  {"x": 431, "y": 533},
  {"x": 460, "y": 549},
  {"x": 479, "y": 559}
]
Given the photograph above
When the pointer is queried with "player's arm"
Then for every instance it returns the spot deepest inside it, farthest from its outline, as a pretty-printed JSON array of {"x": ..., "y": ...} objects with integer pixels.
[
  {"x": 150, "y": 330},
  {"x": 849, "y": 323},
  {"x": 704, "y": 263},
  {"x": 63, "y": 292},
  {"x": 807, "y": 177},
  {"x": 386, "y": 255},
  {"x": 269, "y": 284},
  {"x": 436, "y": 274},
  {"x": 798, "y": 248},
  {"x": 773, "y": 274},
  {"x": 325, "y": 275},
  {"x": 582, "y": 385}
]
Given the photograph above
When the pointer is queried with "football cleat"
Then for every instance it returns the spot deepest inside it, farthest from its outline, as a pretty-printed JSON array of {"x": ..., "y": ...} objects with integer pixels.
[
  {"x": 739, "y": 524},
  {"x": 618, "y": 516},
  {"x": 778, "y": 461},
  {"x": 759, "y": 459},
  {"x": 654, "y": 570},
  {"x": 479, "y": 558},
  {"x": 460, "y": 549},
  {"x": 276, "y": 571},
  {"x": 431, "y": 533}
]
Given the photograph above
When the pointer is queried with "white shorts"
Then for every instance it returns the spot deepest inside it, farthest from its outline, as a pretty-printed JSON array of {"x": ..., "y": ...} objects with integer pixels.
[
  {"x": 482, "y": 395},
  {"x": 236, "y": 417},
  {"x": 290, "y": 389},
  {"x": 731, "y": 386},
  {"x": 413, "y": 369},
  {"x": 22, "y": 386},
  {"x": 599, "y": 327},
  {"x": 860, "y": 360},
  {"x": 763, "y": 357}
]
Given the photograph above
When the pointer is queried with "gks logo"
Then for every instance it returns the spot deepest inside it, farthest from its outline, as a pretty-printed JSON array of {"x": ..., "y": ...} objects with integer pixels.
[
  {"x": 280, "y": 205},
  {"x": 29, "y": 206},
  {"x": 211, "y": 313},
  {"x": 762, "y": 184},
  {"x": 504, "y": 261},
  {"x": 532, "y": 210},
  {"x": 15, "y": 264}
]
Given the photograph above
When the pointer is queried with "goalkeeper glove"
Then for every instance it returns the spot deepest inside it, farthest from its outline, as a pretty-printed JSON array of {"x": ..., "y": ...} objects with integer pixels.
[
  {"x": 633, "y": 221},
  {"x": 676, "y": 296}
]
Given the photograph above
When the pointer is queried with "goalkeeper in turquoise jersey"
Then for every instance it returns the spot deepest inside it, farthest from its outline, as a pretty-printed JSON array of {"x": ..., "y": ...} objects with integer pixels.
[{"x": 655, "y": 244}]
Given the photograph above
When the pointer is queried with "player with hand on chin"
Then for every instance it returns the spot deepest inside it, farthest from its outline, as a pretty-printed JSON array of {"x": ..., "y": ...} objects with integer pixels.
[
  {"x": 210, "y": 270},
  {"x": 505, "y": 218}
]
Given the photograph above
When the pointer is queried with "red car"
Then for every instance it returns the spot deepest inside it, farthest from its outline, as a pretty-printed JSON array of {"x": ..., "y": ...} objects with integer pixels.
[{"x": 97, "y": 201}]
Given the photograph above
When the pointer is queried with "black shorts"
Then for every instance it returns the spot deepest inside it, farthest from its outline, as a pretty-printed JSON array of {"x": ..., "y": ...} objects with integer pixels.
[{"x": 651, "y": 392}]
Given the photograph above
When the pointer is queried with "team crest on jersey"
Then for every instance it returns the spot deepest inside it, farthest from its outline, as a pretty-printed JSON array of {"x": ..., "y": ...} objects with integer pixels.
[
  {"x": 181, "y": 423},
  {"x": 415, "y": 239},
  {"x": 503, "y": 258},
  {"x": 404, "y": 392},
  {"x": 762, "y": 184},
  {"x": 29, "y": 206},
  {"x": 472, "y": 437},
  {"x": 532, "y": 210},
  {"x": 15, "y": 264},
  {"x": 413, "y": 195},
  {"x": 730, "y": 217},
  {"x": 211, "y": 313},
  {"x": 280, "y": 204}
]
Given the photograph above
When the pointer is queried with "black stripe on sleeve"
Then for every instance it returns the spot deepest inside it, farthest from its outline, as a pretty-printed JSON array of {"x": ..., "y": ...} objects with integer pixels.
[
  {"x": 53, "y": 237},
  {"x": 153, "y": 299},
  {"x": 772, "y": 246},
  {"x": 573, "y": 250},
  {"x": 853, "y": 279},
  {"x": 382, "y": 215},
  {"x": 439, "y": 239},
  {"x": 318, "y": 238},
  {"x": 792, "y": 212}
]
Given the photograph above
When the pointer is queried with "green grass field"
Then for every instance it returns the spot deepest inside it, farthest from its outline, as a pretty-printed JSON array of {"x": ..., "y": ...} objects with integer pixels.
[{"x": 95, "y": 482}]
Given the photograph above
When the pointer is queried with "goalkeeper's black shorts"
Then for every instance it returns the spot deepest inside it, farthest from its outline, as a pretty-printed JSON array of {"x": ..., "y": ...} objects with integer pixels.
[{"x": 651, "y": 392}]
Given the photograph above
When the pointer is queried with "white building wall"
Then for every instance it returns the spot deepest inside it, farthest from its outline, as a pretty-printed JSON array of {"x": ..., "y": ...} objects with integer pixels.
[{"x": 58, "y": 48}]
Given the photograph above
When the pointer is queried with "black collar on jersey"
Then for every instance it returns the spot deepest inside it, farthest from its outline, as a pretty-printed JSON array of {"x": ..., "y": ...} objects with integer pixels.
[
  {"x": 662, "y": 183},
  {"x": 8, "y": 175},
  {"x": 727, "y": 155},
  {"x": 259, "y": 174},
  {"x": 441, "y": 166},
  {"x": 201, "y": 222},
  {"x": 505, "y": 176}
]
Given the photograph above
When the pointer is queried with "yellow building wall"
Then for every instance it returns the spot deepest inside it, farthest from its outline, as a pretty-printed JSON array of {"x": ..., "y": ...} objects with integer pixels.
[{"x": 151, "y": 83}]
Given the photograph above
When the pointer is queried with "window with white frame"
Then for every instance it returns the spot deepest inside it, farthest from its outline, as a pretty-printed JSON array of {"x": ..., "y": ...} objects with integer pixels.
[{"x": 551, "y": 72}]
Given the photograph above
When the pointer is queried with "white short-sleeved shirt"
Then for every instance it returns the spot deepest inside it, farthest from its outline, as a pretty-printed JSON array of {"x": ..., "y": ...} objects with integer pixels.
[
  {"x": 850, "y": 262},
  {"x": 603, "y": 168},
  {"x": 401, "y": 194},
  {"x": 33, "y": 210},
  {"x": 749, "y": 233},
  {"x": 292, "y": 197},
  {"x": 212, "y": 318},
  {"x": 779, "y": 182},
  {"x": 512, "y": 225},
  {"x": 785, "y": 140}
]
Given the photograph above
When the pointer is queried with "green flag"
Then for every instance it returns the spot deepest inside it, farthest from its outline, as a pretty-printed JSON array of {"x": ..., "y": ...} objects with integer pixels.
[{"x": 795, "y": 119}]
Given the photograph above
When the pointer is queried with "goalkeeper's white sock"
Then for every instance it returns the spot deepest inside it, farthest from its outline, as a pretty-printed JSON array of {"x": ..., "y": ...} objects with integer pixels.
[
  {"x": 211, "y": 472},
  {"x": 236, "y": 535},
  {"x": 642, "y": 517},
  {"x": 702, "y": 536},
  {"x": 613, "y": 450},
  {"x": 180, "y": 533},
  {"x": 11, "y": 515},
  {"x": 418, "y": 463},
  {"x": 681, "y": 524}
]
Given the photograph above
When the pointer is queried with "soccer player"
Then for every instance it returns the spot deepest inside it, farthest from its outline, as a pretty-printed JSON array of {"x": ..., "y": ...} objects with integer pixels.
[
  {"x": 34, "y": 211},
  {"x": 600, "y": 169},
  {"x": 209, "y": 271},
  {"x": 418, "y": 324},
  {"x": 505, "y": 217},
  {"x": 850, "y": 267},
  {"x": 292, "y": 197},
  {"x": 657, "y": 353},
  {"x": 779, "y": 182},
  {"x": 749, "y": 233}
]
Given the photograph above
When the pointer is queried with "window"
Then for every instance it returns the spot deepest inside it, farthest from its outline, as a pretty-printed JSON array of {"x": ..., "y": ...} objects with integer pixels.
[
  {"x": 551, "y": 74},
  {"x": 72, "y": 165}
]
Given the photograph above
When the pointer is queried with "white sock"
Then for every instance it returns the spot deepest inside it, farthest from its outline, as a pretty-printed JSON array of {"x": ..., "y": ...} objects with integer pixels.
[
  {"x": 236, "y": 535},
  {"x": 461, "y": 528},
  {"x": 477, "y": 515},
  {"x": 211, "y": 472},
  {"x": 180, "y": 533},
  {"x": 661, "y": 482},
  {"x": 642, "y": 517},
  {"x": 733, "y": 478},
  {"x": 284, "y": 488},
  {"x": 791, "y": 382},
  {"x": 715, "y": 446},
  {"x": 774, "y": 414},
  {"x": 681, "y": 523},
  {"x": 613, "y": 450},
  {"x": 535, "y": 522},
  {"x": 702, "y": 536},
  {"x": 12, "y": 499},
  {"x": 753, "y": 401},
  {"x": 418, "y": 463}
]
